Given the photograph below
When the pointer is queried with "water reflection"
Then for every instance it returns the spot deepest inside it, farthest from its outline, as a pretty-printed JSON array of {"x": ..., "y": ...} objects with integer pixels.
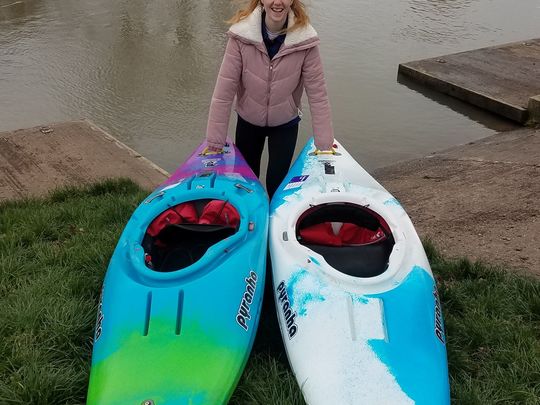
[
  {"x": 18, "y": 11},
  {"x": 441, "y": 21},
  {"x": 146, "y": 70},
  {"x": 474, "y": 113}
]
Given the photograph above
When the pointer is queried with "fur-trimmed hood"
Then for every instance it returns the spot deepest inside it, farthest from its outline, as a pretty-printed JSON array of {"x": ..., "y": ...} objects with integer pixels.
[{"x": 249, "y": 30}]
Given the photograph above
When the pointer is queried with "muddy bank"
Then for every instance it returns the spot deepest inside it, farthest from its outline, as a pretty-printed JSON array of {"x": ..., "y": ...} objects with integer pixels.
[
  {"x": 478, "y": 200},
  {"x": 36, "y": 160}
]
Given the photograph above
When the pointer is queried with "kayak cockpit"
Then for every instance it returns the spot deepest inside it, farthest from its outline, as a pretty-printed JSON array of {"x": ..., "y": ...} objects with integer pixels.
[
  {"x": 181, "y": 235},
  {"x": 353, "y": 239}
]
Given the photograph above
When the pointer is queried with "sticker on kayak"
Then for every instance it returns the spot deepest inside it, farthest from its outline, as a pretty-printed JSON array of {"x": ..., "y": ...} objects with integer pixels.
[
  {"x": 211, "y": 162},
  {"x": 329, "y": 168},
  {"x": 100, "y": 316},
  {"x": 288, "y": 314},
  {"x": 244, "y": 311},
  {"x": 439, "y": 328},
  {"x": 296, "y": 182}
]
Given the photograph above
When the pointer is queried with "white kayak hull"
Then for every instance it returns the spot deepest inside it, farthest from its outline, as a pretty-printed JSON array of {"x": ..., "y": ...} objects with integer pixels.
[{"x": 361, "y": 324}]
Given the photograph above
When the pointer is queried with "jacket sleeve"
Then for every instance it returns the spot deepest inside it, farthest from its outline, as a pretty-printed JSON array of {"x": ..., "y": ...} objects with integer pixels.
[
  {"x": 223, "y": 97},
  {"x": 315, "y": 85}
]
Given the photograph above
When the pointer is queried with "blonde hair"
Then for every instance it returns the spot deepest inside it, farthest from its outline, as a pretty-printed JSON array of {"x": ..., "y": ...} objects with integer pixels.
[{"x": 301, "y": 18}]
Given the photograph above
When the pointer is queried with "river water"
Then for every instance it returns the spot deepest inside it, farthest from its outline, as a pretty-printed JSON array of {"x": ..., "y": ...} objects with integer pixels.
[{"x": 145, "y": 70}]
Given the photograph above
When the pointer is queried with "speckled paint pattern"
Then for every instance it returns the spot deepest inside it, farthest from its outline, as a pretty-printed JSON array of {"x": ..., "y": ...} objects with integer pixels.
[{"x": 351, "y": 340}]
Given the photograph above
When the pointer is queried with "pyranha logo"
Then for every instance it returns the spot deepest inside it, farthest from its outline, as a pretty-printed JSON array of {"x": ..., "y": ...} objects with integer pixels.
[
  {"x": 243, "y": 314},
  {"x": 439, "y": 328},
  {"x": 100, "y": 316},
  {"x": 288, "y": 313}
]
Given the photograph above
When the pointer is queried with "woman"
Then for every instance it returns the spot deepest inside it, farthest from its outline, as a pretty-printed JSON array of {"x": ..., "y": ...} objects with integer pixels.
[{"x": 271, "y": 56}]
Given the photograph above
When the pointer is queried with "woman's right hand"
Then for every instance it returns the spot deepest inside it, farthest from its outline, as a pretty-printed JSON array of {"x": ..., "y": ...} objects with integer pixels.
[{"x": 212, "y": 150}]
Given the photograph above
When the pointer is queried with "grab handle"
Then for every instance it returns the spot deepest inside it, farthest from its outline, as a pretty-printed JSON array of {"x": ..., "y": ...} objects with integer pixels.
[
  {"x": 208, "y": 152},
  {"x": 318, "y": 152}
]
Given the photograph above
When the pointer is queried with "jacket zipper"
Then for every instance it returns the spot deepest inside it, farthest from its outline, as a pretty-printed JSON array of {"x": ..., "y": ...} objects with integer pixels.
[{"x": 270, "y": 71}]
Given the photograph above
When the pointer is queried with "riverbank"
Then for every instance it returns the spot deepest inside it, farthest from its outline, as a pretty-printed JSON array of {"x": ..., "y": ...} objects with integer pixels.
[
  {"x": 477, "y": 200},
  {"x": 54, "y": 253},
  {"x": 34, "y": 161}
]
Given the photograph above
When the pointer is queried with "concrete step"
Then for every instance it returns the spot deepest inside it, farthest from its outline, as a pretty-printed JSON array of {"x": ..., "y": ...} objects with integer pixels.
[
  {"x": 501, "y": 79},
  {"x": 36, "y": 160}
]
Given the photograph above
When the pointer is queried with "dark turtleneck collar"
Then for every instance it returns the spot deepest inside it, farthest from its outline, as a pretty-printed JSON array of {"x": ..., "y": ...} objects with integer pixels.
[{"x": 272, "y": 46}]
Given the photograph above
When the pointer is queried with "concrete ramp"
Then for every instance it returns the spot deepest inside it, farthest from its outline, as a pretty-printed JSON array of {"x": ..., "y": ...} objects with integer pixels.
[
  {"x": 478, "y": 200},
  {"x": 503, "y": 79},
  {"x": 34, "y": 161}
]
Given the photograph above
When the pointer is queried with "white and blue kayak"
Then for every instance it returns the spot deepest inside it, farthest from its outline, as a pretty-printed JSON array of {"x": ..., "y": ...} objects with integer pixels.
[{"x": 356, "y": 299}]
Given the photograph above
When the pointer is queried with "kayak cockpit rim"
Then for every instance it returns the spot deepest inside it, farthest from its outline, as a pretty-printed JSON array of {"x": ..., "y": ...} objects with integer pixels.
[
  {"x": 181, "y": 235},
  {"x": 352, "y": 238},
  {"x": 230, "y": 239},
  {"x": 293, "y": 211}
]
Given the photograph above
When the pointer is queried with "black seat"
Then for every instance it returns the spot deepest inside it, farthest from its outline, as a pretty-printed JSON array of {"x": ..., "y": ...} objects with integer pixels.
[
  {"x": 358, "y": 261},
  {"x": 179, "y": 246},
  {"x": 367, "y": 260}
]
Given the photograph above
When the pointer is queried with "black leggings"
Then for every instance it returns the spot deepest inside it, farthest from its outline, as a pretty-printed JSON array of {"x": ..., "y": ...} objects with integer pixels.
[{"x": 281, "y": 143}]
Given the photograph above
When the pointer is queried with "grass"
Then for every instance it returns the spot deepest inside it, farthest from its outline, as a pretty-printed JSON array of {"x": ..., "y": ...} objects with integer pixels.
[
  {"x": 492, "y": 320},
  {"x": 53, "y": 256},
  {"x": 54, "y": 253}
]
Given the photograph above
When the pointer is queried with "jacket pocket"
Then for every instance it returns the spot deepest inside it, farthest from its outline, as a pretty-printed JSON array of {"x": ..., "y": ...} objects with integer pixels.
[{"x": 294, "y": 108}]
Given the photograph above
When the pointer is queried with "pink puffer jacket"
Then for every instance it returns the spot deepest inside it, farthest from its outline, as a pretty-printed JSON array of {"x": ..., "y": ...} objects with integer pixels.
[{"x": 268, "y": 92}]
